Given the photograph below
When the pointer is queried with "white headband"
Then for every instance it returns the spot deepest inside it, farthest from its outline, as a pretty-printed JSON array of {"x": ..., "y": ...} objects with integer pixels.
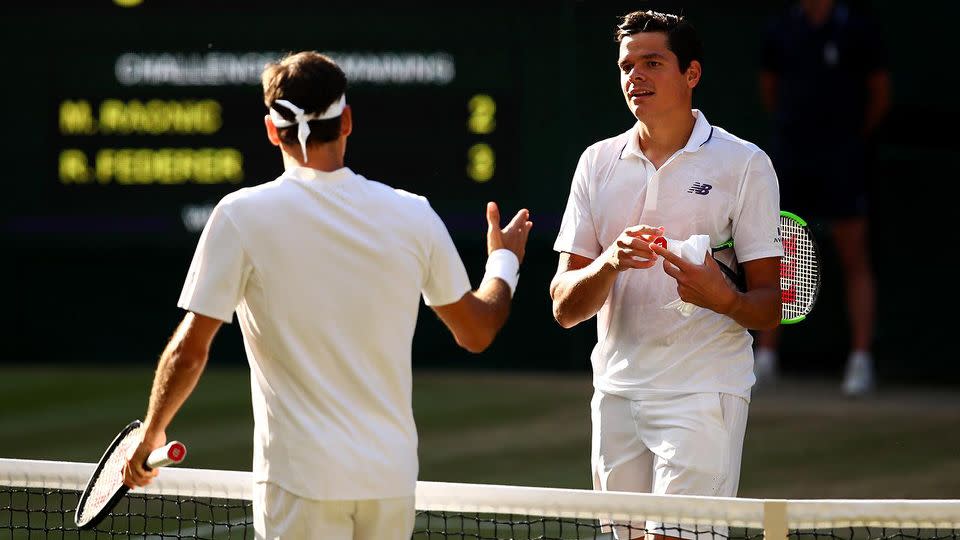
[{"x": 301, "y": 120}]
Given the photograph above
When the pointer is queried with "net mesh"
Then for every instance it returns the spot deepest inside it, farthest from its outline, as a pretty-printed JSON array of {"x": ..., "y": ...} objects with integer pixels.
[
  {"x": 37, "y": 500},
  {"x": 799, "y": 272},
  {"x": 49, "y": 513}
]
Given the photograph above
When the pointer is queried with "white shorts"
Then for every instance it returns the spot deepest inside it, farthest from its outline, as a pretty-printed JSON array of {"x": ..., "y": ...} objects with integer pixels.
[
  {"x": 280, "y": 515},
  {"x": 688, "y": 444}
]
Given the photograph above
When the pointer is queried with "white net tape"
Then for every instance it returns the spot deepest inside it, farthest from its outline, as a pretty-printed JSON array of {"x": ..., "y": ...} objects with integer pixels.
[{"x": 449, "y": 509}]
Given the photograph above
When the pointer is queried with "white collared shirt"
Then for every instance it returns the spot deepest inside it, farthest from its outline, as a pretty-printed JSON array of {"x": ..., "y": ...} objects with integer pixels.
[
  {"x": 325, "y": 271},
  {"x": 718, "y": 185}
]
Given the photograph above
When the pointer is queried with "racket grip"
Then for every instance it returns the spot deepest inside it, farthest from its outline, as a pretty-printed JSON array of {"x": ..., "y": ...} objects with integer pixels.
[{"x": 171, "y": 454}]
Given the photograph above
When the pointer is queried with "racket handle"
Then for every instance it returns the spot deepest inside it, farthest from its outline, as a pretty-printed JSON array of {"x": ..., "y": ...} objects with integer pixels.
[{"x": 170, "y": 454}]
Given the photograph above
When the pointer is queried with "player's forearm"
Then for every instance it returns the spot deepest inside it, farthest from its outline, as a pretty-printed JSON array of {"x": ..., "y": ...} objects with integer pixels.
[
  {"x": 489, "y": 313},
  {"x": 757, "y": 309},
  {"x": 495, "y": 297},
  {"x": 177, "y": 374},
  {"x": 579, "y": 294}
]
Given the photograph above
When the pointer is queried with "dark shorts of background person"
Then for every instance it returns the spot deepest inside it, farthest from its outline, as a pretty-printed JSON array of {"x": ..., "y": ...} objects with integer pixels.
[{"x": 826, "y": 183}]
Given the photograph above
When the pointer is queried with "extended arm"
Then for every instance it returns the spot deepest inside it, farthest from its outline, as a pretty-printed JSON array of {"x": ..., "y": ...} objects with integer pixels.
[
  {"x": 178, "y": 371},
  {"x": 478, "y": 316}
]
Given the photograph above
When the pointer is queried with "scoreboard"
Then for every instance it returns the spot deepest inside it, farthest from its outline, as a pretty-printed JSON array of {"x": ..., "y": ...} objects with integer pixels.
[
  {"x": 142, "y": 135},
  {"x": 152, "y": 150}
]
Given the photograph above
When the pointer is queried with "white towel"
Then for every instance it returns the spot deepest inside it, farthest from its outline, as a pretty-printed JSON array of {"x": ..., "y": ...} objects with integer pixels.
[{"x": 694, "y": 250}]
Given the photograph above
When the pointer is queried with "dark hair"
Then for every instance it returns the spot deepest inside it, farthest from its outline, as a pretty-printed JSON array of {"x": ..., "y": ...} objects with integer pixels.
[
  {"x": 682, "y": 38},
  {"x": 310, "y": 81}
]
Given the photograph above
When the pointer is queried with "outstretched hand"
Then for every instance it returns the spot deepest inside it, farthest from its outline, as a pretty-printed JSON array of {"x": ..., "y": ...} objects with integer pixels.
[
  {"x": 513, "y": 236},
  {"x": 700, "y": 284}
]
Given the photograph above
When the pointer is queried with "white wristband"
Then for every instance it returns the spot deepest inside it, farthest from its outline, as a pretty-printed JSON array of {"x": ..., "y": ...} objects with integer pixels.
[{"x": 505, "y": 265}]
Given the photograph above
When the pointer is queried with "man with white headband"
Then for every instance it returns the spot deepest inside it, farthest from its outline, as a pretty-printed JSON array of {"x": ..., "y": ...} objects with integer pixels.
[{"x": 325, "y": 270}]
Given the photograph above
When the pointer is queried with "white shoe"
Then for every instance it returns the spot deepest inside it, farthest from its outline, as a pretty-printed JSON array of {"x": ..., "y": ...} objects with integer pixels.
[
  {"x": 765, "y": 366},
  {"x": 859, "y": 379}
]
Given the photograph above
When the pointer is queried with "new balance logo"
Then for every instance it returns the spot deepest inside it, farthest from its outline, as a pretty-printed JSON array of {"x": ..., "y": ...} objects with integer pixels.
[{"x": 700, "y": 189}]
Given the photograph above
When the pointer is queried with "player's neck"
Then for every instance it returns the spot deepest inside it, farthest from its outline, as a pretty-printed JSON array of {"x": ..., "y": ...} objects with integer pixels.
[
  {"x": 322, "y": 157},
  {"x": 661, "y": 137}
]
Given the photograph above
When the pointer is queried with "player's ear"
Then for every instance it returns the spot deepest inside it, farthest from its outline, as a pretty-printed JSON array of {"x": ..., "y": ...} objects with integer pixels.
[
  {"x": 694, "y": 70},
  {"x": 272, "y": 134},
  {"x": 346, "y": 121}
]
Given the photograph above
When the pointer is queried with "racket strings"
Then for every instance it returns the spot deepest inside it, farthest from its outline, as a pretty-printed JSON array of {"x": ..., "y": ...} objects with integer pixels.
[
  {"x": 109, "y": 481},
  {"x": 799, "y": 272}
]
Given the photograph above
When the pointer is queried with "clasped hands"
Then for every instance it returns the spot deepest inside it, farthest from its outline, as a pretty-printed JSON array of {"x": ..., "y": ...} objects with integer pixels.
[{"x": 701, "y": 284}]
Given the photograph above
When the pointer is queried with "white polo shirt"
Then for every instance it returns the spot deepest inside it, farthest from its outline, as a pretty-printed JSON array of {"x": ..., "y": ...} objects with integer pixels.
[
  {"x": 718, "y": 185},
  {"x": 325, "y": 271}
]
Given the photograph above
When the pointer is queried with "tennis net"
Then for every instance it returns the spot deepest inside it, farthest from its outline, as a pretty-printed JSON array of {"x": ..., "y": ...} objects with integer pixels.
[{"x": 38, "y": 498}]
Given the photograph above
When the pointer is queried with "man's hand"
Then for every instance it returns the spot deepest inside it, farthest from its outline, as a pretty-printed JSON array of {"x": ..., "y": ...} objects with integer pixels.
[
  {"x": 513, "y": 236},
  {"x": 134, "y": 472},
  {"x": 632, "y": 248},
  {"x": 700, "y": 284}
]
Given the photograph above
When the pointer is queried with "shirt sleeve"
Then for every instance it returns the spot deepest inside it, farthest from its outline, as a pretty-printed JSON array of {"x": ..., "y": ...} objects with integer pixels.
[
  {"x": 447, "y": 279},
  {"x": 219, "y": 271},
  {"x": 578, "y": 233},
  {"x": 756, "y": 220}
]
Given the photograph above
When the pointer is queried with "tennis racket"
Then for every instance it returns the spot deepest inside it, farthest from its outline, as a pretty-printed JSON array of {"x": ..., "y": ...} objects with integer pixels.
[
  {"x": 105, "y": 487},
  {"x": 799, "y": 269}
]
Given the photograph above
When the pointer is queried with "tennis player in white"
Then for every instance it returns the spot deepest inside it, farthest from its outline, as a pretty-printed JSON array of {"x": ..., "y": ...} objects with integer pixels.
[
  {"x": 325, "y": 270},
  {"x": 671, "y": 388}
]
